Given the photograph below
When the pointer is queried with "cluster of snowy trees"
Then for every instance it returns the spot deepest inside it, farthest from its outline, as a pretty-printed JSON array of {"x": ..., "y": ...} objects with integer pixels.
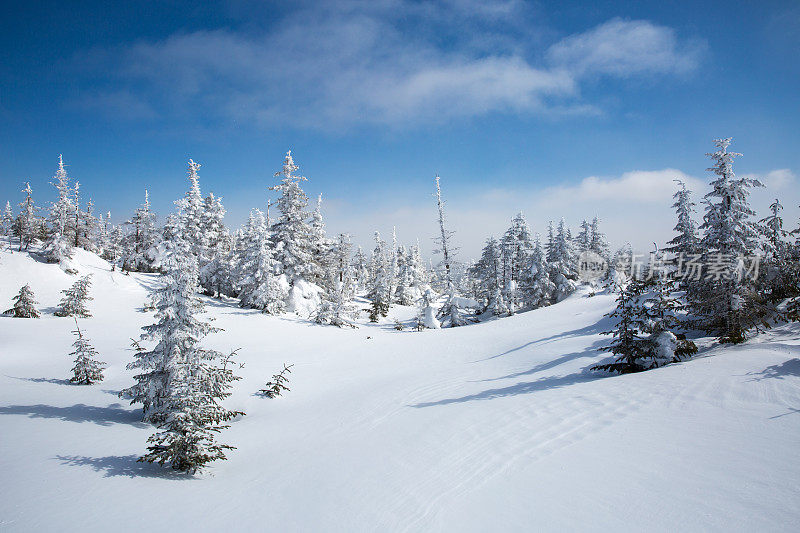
[
  {"x": 519, "y": 272},
  {"x": 728, "y": 276}
]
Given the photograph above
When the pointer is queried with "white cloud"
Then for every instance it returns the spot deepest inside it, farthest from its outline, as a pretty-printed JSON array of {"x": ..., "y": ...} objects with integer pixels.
[
  {"x": 776, "y": 180},
  {"x": 626, "y": 48},
  {"x": 337, "y": 65}
]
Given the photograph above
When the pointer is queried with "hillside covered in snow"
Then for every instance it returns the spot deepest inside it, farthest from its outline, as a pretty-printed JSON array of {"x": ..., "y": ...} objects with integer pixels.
[{"x": 494, "y": 426}]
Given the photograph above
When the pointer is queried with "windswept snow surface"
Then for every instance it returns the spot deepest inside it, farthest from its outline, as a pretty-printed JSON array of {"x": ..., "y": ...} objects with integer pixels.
[{"x": 492, "y": 427}]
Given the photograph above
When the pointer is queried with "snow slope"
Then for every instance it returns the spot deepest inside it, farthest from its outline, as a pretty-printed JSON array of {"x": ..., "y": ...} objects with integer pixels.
[{"x": 492, "y": 427}]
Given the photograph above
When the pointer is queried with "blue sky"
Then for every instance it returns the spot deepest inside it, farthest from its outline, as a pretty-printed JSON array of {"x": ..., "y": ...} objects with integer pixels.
[{"x": 555, "y": 109}]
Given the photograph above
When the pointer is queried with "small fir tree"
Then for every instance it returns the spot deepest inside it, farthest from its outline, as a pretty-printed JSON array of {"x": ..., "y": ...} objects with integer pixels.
[
  {"x": 75, "y": 299},
  {"x": 24, "y": 304},
  {"x": 87, "y": 369}
]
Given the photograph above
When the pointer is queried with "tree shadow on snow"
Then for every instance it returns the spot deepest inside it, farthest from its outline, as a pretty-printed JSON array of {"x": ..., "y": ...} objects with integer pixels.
[
  {"x": 590, "y": 351},
  {"x": 604, "y": 324},
  {"x": 787, "y": 368},
  {"x": 122, "y": 466},
  {"x": 54, "y": 381},
  {"x": 547, "y": 383},
  {"x": 102, "y": 416}
]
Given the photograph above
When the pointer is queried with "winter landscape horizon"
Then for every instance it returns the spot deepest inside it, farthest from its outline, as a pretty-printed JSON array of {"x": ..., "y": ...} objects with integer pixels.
[{"x": 399, "y": 265}]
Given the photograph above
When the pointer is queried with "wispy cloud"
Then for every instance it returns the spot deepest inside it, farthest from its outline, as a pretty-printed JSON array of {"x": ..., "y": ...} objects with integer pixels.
[
  {"x": 626, "y": 48},
  {"x": 337, "y": 65}
]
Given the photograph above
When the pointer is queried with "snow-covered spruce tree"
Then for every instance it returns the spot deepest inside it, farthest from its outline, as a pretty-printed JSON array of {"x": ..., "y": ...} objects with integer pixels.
[
  {"x": 776, "y": 280},
  {"x": 727, "y": 303},
  {"x": 217, "y": 275},
  {"x": 379, "y": 285},
  {"x": 457, "y": 310},
  {"x": 138, "y": 247},
  {"x": 7, "y": 220},
  {"x": 292, "y": 238},
  {"x": 192, "y": 208},
  {"x": 214, "y": 260},
  {"x": 58, "y": 247},
  {"x": 75, "y": 299},
  {"x": 517, "y": 244},
  {"x": 113, "y": 249},
  {"x": 88, "y": 231},
  {"x": 497, "y": 305},
  {"x": 598, "y": 243},
  {"x": 686, "y": 241},
  {"x": 26, "y": 226},
  {"x": 261, "y": 285},
  {"x": 685, "y": 245},
  {"x": 628, "y": 346},
  {"x": 87, "y": 369},
  {"x": 426, "y": 311},
  {"x": 402, "y": 289},
  {"x": 420, "y": 280},
  {"x": 321, "y": 248},
  {"x": 487, "y": 271},
  {"x": 541, "y": 290},
  {"x": 563, "y": 266},
  {"x": 584, "y": 238},
  {"x": 360, "y": 265},
  {"x": 181, "y": 384},
  {"x": 550, "y": 245},
  {"x": 393, "y": 267},
  {"x": 24, "y": 304},
  {"x": 336, "y": 307}
]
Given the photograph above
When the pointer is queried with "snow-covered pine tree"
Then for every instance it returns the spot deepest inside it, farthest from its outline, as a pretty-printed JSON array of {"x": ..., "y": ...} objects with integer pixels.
[
  {"x": 24, "y": 304},
  {"x": 75, "y": 299},
  {"x": 192, "y": 208},
  {"x": 218, "y": 274},
  {"x": 112, "y": 250},
  {"x": 7, "y": 220},
  {"x": 291, "y": 232},
  {"x": 550, "y": 245},
  {"x": 89, "y": 231},
  {"x": 457, "y": 310},
  {"x": 628, "y": 346},
  {"x": 58, "y": 247},
  {"x": 321, "y": 247},
  {"x": 540, "y": 290},
  {"x": 393, "y": 267},
  {"x": 487, "y": 272},
  {"x": 426, "y": 311},
  {"x": 598, "y": 243},
  {"x": 444, "y": 240},
  {"x": 181, "y": 384},
  {"x": 336, "y": 307},
  {"x": 686, "y": 241},
  {"x": 262, "y": 287},
  {"x": 583, "y": 240},
  {"x": 214, "y": 260},
  {"x": 75, "y": 217},
  {"x": 727, "y": 306},
  {"x": 403, "y": 291},
  {"x": 775, "y": 280},
  {"x": 87, "y": 369},
  {"x": 138, "y": 247},
  {"x": 517, "y": 245},
  {"x": 564, "y": 271},
  {"x": 27, "y": 223},
  {"x": 360, "y": 265},
  {"x": 379, "y": 286},
  {"x": 420, "y": 280}
]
